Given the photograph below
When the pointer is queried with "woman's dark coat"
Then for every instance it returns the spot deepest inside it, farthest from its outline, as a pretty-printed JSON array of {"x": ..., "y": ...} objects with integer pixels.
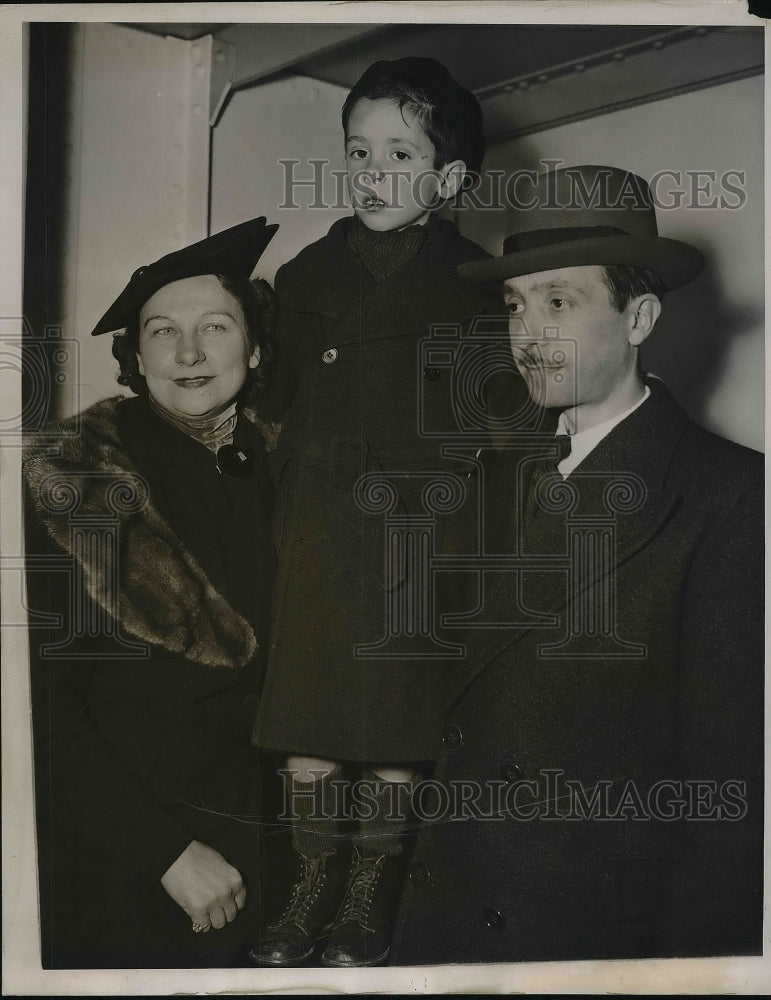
[
  {"x": 142, "y": 722},
  {"x": 549, "y": 879},
  {"x": 361, "y": 394}
]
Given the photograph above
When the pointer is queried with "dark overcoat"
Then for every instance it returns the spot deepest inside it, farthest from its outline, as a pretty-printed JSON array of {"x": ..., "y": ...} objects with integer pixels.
[
  {"x": 364, "y": 392},
  {"x": 144, "y": 683},
  {"x": 658, "y": 714}
]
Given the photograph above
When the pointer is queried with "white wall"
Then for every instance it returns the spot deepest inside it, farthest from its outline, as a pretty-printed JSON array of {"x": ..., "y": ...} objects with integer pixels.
[
  {"x": 290, "y": 118},
  {"x": 134, "y": 192},
  {"x": 138, "y": 168},
  {"x": 136, "y": 195},
  {"x": 709, "y": 345}
]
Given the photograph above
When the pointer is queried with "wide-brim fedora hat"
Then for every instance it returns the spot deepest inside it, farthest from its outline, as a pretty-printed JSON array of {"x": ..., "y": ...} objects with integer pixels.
[
  {"x": 234, "y": 251},
  {"x": 587, "y": 215}
]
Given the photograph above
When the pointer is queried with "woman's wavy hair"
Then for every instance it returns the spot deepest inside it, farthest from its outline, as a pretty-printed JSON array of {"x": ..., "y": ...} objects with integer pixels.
[{"x": 258, "y": 304}]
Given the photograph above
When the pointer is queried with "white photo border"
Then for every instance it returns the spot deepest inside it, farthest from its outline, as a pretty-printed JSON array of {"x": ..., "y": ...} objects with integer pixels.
[{"x": 22, "y": 972}]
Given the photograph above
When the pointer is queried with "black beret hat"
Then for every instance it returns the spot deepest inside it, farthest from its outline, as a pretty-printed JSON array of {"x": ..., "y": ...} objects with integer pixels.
[
  {"x": 233, "y": 251},
  {"x": 458, "y": 105}
]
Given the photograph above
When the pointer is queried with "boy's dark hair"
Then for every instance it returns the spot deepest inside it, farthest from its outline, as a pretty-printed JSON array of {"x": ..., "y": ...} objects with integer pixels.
[
  {"x": 430, "y": 116},
  {"x": 258, "y": 304},
  {"x": 626, "y": 283},
  {"x": 449, "y": 114}
]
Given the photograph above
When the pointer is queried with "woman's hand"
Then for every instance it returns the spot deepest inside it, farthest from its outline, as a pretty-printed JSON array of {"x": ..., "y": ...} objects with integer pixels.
[{"x": 209, "y": 890}]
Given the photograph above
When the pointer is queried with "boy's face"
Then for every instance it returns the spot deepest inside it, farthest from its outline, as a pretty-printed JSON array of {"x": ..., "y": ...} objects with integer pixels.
[
  {"x": 392, "y": 180},
  {"x": 571, "y": 346}
]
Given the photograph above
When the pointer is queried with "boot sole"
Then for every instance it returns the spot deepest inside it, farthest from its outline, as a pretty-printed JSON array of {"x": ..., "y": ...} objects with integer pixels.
[
  {"x": 331, "y": 964},
  {"x": 256, "y": 960}
]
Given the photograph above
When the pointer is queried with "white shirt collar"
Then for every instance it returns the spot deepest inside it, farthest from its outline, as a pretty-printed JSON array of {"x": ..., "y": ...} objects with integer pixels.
[{"x": 584, "y": 442}]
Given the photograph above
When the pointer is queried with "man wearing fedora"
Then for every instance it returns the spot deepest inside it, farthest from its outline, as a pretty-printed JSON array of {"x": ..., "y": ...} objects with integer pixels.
[{"x": 598, "y": 793}]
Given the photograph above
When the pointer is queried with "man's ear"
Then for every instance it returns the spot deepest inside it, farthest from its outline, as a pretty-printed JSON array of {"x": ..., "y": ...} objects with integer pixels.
[
  {"x": 643, "y": 313},
  {"x": 452, "y": 175},
  {"x": 139, "y": 363}
]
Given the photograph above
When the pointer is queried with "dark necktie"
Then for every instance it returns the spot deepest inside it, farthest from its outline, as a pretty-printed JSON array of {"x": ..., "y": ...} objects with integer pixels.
[{"x": 560, "y": 445}]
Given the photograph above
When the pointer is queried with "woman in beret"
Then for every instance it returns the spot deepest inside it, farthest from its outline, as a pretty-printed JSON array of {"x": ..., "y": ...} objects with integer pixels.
[{"x": 150, "y": 554}]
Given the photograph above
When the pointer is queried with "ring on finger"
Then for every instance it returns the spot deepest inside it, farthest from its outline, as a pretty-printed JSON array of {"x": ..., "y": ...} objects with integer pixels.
[{"x": 200, "y": 928}]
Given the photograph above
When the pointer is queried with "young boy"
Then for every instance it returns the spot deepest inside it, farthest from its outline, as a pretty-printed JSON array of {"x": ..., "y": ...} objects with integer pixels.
[{"x": 355, "y": 307}]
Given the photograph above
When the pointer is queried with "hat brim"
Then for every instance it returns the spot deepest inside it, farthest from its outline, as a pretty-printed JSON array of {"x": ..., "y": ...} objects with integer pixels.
[
  {"x": 232, "y": 252},
  {"x": 675, "y": 262}
]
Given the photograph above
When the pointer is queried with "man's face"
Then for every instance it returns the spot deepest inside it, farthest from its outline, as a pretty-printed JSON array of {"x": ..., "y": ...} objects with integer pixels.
[{"x": 569, "y": 343}]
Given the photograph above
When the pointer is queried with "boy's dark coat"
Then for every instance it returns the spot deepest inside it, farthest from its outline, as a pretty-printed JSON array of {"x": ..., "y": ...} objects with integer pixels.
[
  {"x": 689, "y": 585},
  {"x": 355, "y": 414}
]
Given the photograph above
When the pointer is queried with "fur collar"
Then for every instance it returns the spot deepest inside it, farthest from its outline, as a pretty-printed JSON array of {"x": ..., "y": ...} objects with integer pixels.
[{"x": 165, "y": 598}]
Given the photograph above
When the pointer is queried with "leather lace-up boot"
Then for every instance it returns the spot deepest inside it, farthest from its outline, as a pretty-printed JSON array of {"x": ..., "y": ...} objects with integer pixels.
[
  {"x": 361, "y": 932},
  {"x": 315, "y": 896}
]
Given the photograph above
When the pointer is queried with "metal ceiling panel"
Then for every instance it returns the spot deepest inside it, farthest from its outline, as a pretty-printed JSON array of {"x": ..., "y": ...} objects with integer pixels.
[{"x": 527, "y": 77}]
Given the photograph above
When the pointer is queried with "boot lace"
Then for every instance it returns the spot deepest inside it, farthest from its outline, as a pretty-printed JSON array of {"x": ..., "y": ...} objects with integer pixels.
[
  {"x": 305, "y": 892},
  {"x": 359, "y": 892}
]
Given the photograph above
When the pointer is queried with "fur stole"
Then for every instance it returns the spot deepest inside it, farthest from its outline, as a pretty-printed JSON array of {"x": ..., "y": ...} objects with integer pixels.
[{"x": 164, "y": 596}]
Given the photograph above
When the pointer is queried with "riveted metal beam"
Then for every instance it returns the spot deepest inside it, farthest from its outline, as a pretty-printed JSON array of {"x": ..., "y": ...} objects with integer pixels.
[{"x": 243, "y": 54}]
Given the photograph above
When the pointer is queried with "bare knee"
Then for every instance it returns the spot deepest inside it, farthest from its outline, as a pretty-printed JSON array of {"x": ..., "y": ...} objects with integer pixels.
[{"x": 308, "y": 769}]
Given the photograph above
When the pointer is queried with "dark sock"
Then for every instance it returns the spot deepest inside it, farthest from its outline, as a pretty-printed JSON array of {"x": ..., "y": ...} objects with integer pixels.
[
  {"x": 382, "y": 833},
  {"x": 314, "y": 803}
]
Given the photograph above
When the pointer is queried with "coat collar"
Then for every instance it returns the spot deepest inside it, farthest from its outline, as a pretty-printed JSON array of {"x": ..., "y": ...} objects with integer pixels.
[
  {"x": 325, "y": 276},
  {"x": 165, "y": 598},
  {"x": 328, "y": 278},
  {"x": 641, "y": 450},
  {"x": 645, "y": 442}
]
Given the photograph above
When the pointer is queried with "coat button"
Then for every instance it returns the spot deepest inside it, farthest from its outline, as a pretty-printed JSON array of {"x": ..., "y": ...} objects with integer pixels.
[
  {"x": 419, "y": 874},
  {"x": 431, "y": 374},
  {"x": 493, "y": 919},
  {"x": 329, "y": 357},
  {"x": 511, "y": 772},
  {"x": 452, "y": 738}
]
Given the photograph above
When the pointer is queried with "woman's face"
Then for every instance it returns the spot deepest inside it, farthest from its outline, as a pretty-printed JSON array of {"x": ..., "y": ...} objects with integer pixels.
[{"x": 193, "y": 349}]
